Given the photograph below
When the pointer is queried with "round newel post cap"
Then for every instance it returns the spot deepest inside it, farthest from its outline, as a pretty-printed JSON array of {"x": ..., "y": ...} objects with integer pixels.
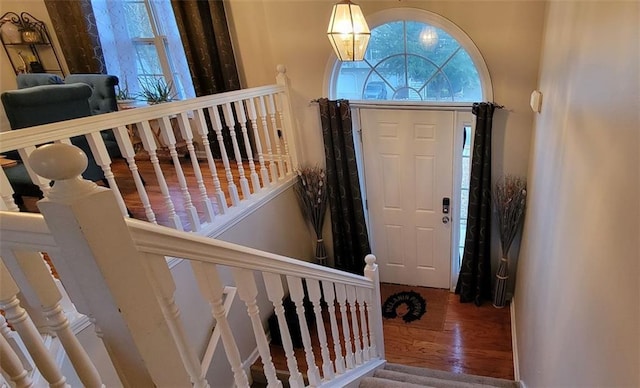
[
  {"x": 370, "y": 260},
  {"x": 282, "y": 69},
  {"x": 58, "y": 161}
]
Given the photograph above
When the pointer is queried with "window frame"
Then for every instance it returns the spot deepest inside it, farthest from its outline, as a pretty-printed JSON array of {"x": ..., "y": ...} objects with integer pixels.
[{"x": 418, "y": 15}]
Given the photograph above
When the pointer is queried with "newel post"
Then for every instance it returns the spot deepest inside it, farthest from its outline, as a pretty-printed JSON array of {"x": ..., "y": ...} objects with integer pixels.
[
  {"x": 291, "y": 137},
  {"x": 104, "y": 273},
  {"x": 372, "y": 273}
]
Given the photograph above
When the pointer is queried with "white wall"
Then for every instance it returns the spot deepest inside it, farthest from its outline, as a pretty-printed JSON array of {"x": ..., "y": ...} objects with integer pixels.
[{"x": 577, "y": 296}]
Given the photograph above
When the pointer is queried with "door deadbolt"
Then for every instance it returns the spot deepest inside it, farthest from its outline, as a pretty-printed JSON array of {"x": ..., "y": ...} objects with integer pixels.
[{"x": 445, "y": 219}]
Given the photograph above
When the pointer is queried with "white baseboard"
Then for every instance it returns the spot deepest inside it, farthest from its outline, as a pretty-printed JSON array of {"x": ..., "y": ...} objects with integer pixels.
[{"x": 514, "y": 342}]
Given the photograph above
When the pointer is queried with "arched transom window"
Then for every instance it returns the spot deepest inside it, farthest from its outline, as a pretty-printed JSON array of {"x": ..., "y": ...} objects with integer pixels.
[{"x": 410, "y": 60}]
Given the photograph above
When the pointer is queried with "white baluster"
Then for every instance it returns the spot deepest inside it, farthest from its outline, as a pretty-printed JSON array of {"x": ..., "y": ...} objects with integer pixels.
[
  {"x": 149, "y": 142},
  {"x": 231, "y": 124},
  {"x": 124, "y": 142},
  {"x": 247, "y": 290},
  {"x": 264, "y": 173},
  {"x": 169, "y": 139},
  {"x": 341, "y": 297},
  {"x": 329, "y": 297},
  {"x": 21, "y": 322},
  {"x": 276, "y": 134},
  {"x": 212, "y": 289},
  {"x": 374, "y": 310},
  {"x": 217, "y": 126},
  {"x": 351, "y": 297},
  {"x": 287, "y": 156},
  {"x": 164, "y": 286},
  {"x": 242, "y": 118},
  {"x": 273, "y": 168},
  {"x": 275, "y": 293},
  {"x": 364, "y": 330},
  {"x": 203, "y": 131},
  {"x": 313, "y": 287},
  {"x": 35, "y": 271},
  {"x": 10, "y": 363},
  {"x": 187, "y": 136},
  {"x": 16, "y": 344},
  {"x": 286, "y": 119},
  {"x": 6, "y": 192},
  {"x": 102, "y": 158},
  {"x": 297, "y": 296}
]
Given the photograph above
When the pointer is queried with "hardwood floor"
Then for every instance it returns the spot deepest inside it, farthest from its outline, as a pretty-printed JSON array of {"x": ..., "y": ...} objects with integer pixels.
[{"x": 475, "y": 340}]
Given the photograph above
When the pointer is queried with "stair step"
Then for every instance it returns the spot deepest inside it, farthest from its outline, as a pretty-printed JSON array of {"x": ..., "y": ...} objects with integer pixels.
[
  {"x": 375, "y": 382},
  {"x": 425, "y": 381},
  {"x": 448, "y": 376}
]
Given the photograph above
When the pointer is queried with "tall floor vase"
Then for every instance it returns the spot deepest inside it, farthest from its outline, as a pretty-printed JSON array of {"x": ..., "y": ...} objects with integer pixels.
[{"x": 502, "y": 277}]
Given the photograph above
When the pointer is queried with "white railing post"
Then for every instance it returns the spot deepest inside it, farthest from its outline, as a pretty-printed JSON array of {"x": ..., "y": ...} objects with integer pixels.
[
  {"x": 341, "y": 297},
  {"x": 248, "y": 292},
  {"x": 242, "y": 119},
  {"x": 374, "y": 310},
  {"x": 297, "y": 296},
  {"x": 330, "y": 298},
  {"x": 275, "y": 293},
  {"x": 313, "y": 287},
  {"x": 149, "y": 142},
  {"x": 35, "y": 272},
  {"x": 351, "y": 298},
  {"x": 21, "y": 322},
  {"x": 286, "y": 115},
  {"x": 11, "y": 364},
  {"x": 99, "y": 256},
  {"x": 203, "y": 131},
  {"x": 129, "y": 154},
  {"x": 187, "y": 136},
  {"x": 213, "y": 290}
]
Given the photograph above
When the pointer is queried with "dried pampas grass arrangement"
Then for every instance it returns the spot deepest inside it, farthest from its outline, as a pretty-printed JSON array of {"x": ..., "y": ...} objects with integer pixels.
[
  {"x": 311, "y": 190},
  {"x": 509, "y": 198}
]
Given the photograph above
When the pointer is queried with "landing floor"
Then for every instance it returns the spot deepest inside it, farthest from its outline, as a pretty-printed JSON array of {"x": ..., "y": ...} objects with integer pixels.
[{"x": 474, "y": 340}]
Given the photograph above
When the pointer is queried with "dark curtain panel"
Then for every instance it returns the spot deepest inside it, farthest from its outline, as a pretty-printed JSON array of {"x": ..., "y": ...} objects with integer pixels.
[
  {"x": 75, "y": 27},
  {"x": 207, "y": 45},
  {"x": 349, "y": 231},
  {"x": 474, "y": 281}
]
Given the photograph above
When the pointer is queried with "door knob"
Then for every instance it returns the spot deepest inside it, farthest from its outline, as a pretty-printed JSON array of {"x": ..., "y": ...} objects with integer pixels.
[{"x": 445, "y": 219}]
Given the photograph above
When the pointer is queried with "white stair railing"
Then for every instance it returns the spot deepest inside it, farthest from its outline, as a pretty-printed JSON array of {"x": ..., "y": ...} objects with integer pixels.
[
  {"x": 116, "y": 273},
  {"x": 164, "y": 136}
]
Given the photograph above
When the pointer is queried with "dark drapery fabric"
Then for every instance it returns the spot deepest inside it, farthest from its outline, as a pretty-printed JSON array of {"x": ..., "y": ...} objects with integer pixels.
[
  {"x": 474, "y": 281},
  {"x": 349, "y": 231},
  {"x": 207, "y": 45},
  {"x": 75, "y": 27}
]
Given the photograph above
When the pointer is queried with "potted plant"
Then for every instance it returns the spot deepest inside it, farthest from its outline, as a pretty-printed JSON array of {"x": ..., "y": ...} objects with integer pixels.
[
  {"x": 157, "y": 90},
  {"x": 311, "y": 190},
  {"x": 124, "y": 99}
]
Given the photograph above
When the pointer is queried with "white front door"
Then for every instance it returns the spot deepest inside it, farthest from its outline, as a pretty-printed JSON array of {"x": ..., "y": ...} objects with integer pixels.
[{"x": 408, "y": 159}]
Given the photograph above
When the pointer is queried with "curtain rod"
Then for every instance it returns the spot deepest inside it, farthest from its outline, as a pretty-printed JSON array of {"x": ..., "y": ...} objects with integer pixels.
[{"x": 498, "y": 106}]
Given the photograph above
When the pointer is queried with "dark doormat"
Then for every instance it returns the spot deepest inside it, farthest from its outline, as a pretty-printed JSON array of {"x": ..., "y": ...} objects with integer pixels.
[{"x": 418, "y": 307}]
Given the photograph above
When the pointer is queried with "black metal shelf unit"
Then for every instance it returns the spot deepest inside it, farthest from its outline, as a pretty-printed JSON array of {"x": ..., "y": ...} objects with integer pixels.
[{"x": 28, "y": 34}]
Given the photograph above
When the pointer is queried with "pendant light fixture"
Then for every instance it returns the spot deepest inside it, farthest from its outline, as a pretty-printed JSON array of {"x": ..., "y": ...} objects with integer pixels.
[{"x": 348, "y": 31}]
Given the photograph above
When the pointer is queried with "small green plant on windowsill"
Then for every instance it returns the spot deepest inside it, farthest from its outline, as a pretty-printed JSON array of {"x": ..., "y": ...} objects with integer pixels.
[
  {"x": 124, "y": 99},
  {"x": 156, "y": 90}
]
